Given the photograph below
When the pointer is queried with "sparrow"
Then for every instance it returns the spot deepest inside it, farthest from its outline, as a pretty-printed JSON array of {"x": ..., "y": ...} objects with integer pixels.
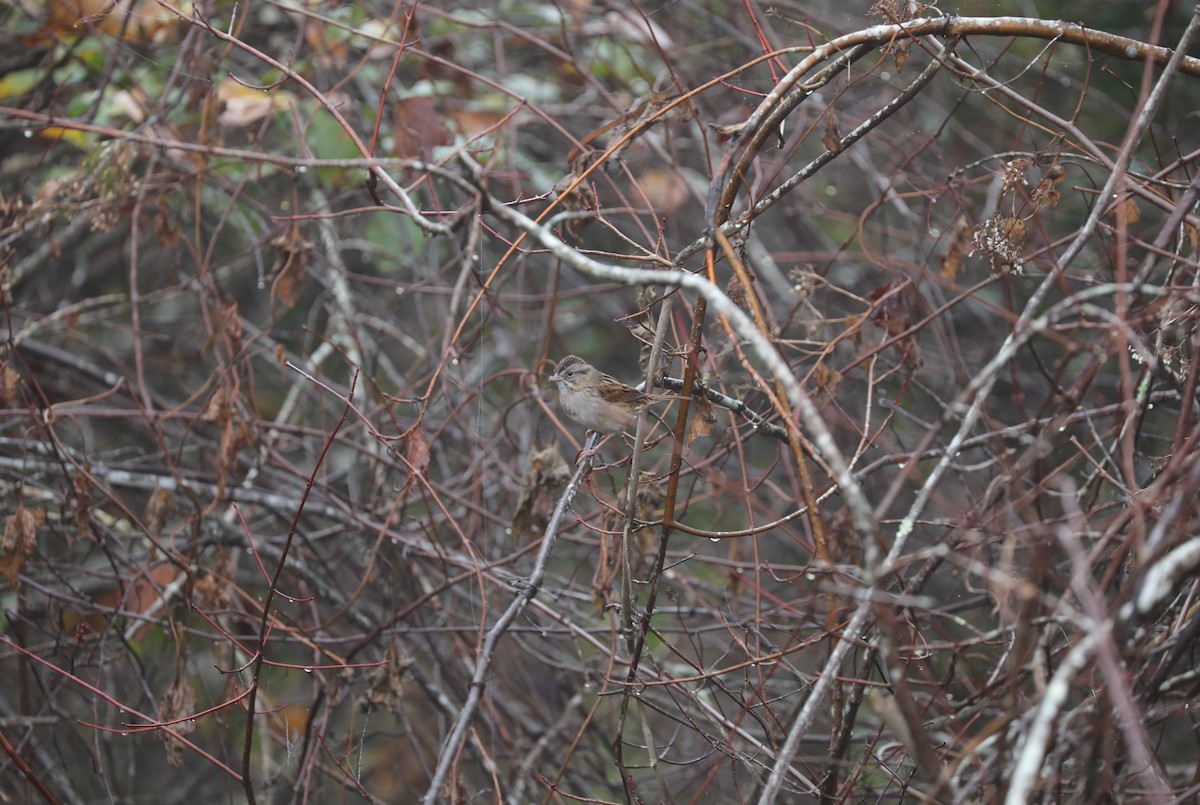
[{"x": 595, "y": 400}]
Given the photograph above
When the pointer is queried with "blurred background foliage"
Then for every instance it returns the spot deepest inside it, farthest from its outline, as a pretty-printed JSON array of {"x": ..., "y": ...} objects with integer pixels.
[{"x": 199, "y": 271}]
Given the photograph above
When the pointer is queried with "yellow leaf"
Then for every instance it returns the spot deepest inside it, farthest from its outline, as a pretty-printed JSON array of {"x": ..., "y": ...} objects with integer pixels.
[
  {"x": 73, "y": 136},
  {"x": 18, "y": 82}
]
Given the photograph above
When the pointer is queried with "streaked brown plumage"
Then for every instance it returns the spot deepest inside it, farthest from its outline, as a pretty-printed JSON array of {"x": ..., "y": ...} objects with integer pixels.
[{"x": 596, "y": 400}]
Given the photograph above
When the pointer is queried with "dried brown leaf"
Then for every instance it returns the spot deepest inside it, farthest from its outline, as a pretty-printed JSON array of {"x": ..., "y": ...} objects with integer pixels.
[
  {"x": 1046, "y": 194},
  {"x": 385, "y": 683},
  {"x": 82, "y": 485},
  {"x": 914, "y": 357},
  {"x": 20, "y": 530},
  {"x": 230, "y": 323},
  {"x": 415, "y": 456},
  {"x": 291, "y": 262},
  {"x": 542, "y": 484},
  {"x": 179, "y": 701},
  {"x": 19, "y": 542},
  {"x": 219, "y": 409},
  {"x": 703, "y": 419},
  {"x": 736, "y": 291},
  {"x": 957, "y": 249},
  {"x": 158, "y": 507},
  {"x": 826, "y": 380},
  {"x": 10, "y": 568},
  {"x": 832, "y": 140},
  {"x": 10, "y": 385},
  {"x": 211, "y": 590},
  {"x": 418, "y": 128},
  {"x": 1192, "y": 234},
  {"x": 1128, "y": 212},
  {"x": 416, "y": 451}
]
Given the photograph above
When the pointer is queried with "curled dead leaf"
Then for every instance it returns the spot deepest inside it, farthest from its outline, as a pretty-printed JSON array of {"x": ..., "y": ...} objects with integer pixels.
[
  {"x": 1046, "y": 195},
  {"x": 385, "y": 683},
  {"x": 957, "y": 249},
  {"x": 179, "y": 701},
  {"x": 1128, "y": 212},
  {"x": 158, "y": 507},
  {"x": 211, "y": 589},
  {"x": 703, "y": 419},
  {"x": 415, "y": 456},
  {"x": 10, "y": 385},
  {"x": 20, "y": 531},
  {"x": 418, "y": 128},
  {"x": 18, "y": 542},
  {"x": 542, "y": 484},
  {"x": 826, "y": 380},
  {"x": 82, "y": 486},
  {"x": 832, "y": 140}
]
